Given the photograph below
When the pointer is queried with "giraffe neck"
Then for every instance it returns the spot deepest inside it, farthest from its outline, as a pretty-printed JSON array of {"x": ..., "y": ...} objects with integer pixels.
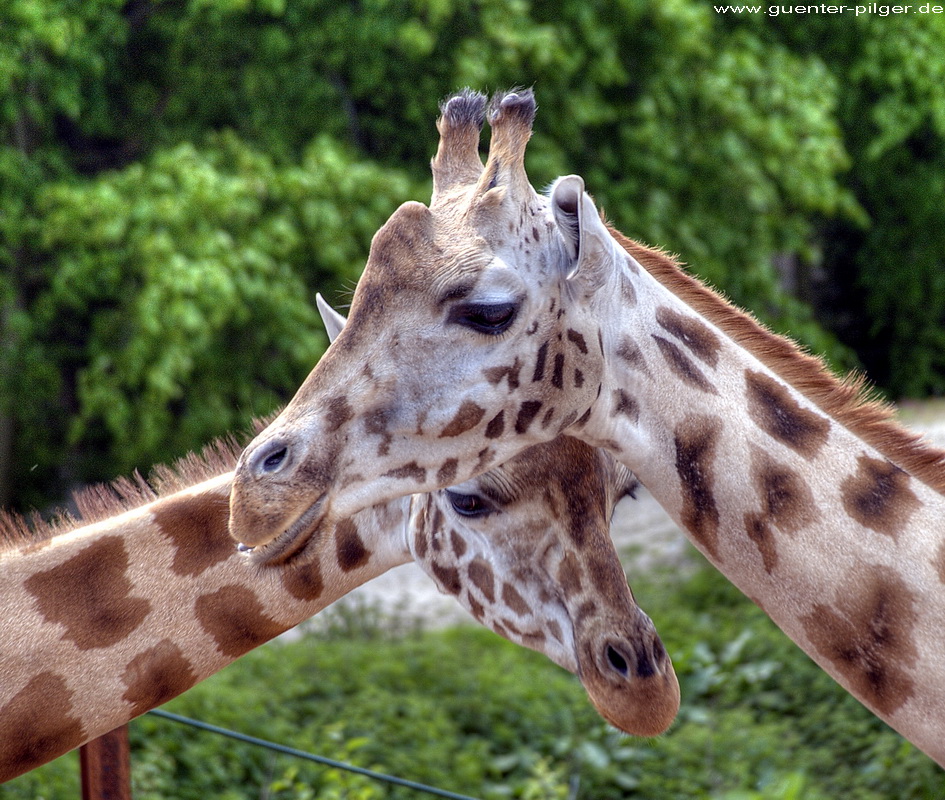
[
  {"x": 114, "y": 618},
  {"x": 814, "y": 505}
]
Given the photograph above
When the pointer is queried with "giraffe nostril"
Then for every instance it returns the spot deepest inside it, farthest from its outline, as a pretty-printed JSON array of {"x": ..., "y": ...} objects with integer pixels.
[{"x": 617, "y": 661}]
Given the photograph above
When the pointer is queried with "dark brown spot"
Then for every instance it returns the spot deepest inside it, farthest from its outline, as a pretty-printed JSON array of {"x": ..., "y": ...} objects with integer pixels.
[
  {"x": 867, "y": 634},
  {"x": 467, "y": 417},
  {"x": 197, "y": 527},
  {"x": 759, "y": 531},
  {"x": 514, "y": 600},
  {"x": 577, "y": 340},
  {"x": 90, "y": 595},
  {"x": 495, "y": 374},
  {"x": 555, "y": 630},
  {"x": 786, "y": 499},
  {"x": 475, "y": 607},
  {"x": 569, "y": 575},
  {"x": 234, "y": 618},
  {"x": 557, "y": 375},
  {"x": 578, "y": 379},
  {"x": 627, "y": 290},
  {"x": 411, "y": 470},
  {"x": 878, "y": 496},
  {"x": 777, "y": 413},
  {"x": 375, "y": 423},
  {"x": 631, "y": 354},
  {"x": 156, "y": 675},
  {"x": 539, "y": 372},
  {"x": 486, "y": 456},
  {"x": 624, "y": 404},
  {"x": 303, "y": 580},
  {"x": 546, "y": 419},
  {"x": 526, "y": 413},
  {"x": 511, "y": 629},
  {"x": 349, "y": 547},
  {"x": 482, "y": 576},
  {"x": 683, "y": 366},
  {"x": 446, "y": 474},
  {"x": 694, "y": 334},
  {"x": 337, "y": 412},
  {"x": 496, "y": 426},
  {"x": 447, "y": 577},
  {"x": 696, "y": 440},
  {"x": 584, "y": 417},
  {"x": 458, "y": 543},
  {"x": 40, "y": 725}
]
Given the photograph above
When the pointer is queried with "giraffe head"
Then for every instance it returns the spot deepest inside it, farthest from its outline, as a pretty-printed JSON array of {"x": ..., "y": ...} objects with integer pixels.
[
  {"x": 463, "y": 345},
  {"x": 526, "y": 549}
]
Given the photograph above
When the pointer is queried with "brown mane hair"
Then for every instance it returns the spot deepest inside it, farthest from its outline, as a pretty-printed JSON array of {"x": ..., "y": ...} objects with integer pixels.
[
  {"x": 847, "y": 400},
  {"x": 100, "y": 502}
]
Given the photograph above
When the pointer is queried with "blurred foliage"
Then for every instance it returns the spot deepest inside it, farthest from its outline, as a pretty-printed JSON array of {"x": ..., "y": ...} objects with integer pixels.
[
  {"x": 177, "y": 179},
  {"x": 466, "y": 711}
]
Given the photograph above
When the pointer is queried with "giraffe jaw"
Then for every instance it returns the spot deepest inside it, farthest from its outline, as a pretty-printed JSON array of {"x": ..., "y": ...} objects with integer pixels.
[{"x": 289, "y": 544}]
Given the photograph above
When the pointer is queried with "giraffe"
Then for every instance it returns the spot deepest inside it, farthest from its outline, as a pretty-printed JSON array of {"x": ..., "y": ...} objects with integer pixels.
[
  {"x": 498, "y": 317},
  {"x": 106, "y": 620}
]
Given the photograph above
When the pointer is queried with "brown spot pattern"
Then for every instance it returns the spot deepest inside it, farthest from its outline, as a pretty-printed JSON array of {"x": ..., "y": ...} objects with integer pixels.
[
  {"x": 447, "y": 577},
  {"x": 867, "y": 635},
  {"x": 197, "y": 526},
  {"x": 496, "y": 426},
  {"x": 514, "y": 600},
  {"x": 90, "y": 595},
  {"x": 631, "y": 354},
  {"x": 878, "y": 496},
  {"x": 412, "y": 470},
  {"x": 695, "y": 335},
  {"x": 526, "y": 413},
  {"x": 234, "y": 618},
  {"x": 578, "y": 378},
  {"x": 625, "y": 405},
  {"x": 303, "y": 580},
  {"x": 481, "y": 575},
  {"x": 557, "y": 374},
  {"x": 777, "y": 413},
  {"x": 683, "y": 366},
  {"x": 447, "y": 472},
  {"x": 40, "y": 715},
  {"x": 627, "y": 290},
  {"x": 569, "y": 575},
  {"x": 539, "y": 372},
  {"x": 696, "y": 439},
  {"x": 467, "y": 417},
  {"x": 495, "y": 374},
  {"x": 337, "y": 412},
  {"x": 349, "y": 547},
  {"x": 458, "y": 543},
  {"x": 577, "y": 340},
  {"x": 156, "y": 675}
]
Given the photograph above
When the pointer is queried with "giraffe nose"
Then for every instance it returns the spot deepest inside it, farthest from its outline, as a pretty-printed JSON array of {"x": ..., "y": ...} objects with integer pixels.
[
  {"x": 634, "y": 659},
  {"x": 270, "y": 458}
]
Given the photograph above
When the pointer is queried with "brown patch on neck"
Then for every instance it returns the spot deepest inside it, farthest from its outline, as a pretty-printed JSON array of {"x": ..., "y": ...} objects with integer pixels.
[
  {"x": 156, "y": 675},
  {"x": 773, "y": 409},
  {"x": 696, "y": 440},
  {"x": 349, "y": 546},
  {"x": 868, "y": 636},
  {"x": 90, "y": 595},
  {"x": 40, "y": 719},
  {"x": 197, "y": 527},
  {"x": 847, "y": 401},
  {"x": 878, "y": 496},
  {"x": 234, "y": 618}
]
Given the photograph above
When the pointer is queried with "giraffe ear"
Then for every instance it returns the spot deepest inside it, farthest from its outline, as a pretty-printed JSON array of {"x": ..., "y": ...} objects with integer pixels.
[
  {"x": 332, "y": 320},
  {"x": 586, "y": 239}
]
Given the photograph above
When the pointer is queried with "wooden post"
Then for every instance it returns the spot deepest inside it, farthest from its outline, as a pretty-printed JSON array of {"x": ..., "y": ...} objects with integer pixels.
[{"x": 106, "y": 766}]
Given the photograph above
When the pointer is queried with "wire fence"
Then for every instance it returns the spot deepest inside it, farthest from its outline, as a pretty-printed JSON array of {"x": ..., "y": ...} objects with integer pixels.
[{"x": 302, "y": 754}]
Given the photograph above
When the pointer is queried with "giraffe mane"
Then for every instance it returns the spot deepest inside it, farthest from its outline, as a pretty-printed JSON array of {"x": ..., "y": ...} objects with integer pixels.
[
  {"x": 99, "y": 502},
  {"x": 850, "y": 400}
]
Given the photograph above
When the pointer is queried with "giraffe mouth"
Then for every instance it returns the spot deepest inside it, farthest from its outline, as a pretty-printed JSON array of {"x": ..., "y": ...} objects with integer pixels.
[{"x": 292, "y": 542}]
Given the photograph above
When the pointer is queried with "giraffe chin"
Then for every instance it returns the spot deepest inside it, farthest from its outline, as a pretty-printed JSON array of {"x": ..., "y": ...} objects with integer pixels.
[{"x": 291, "y": 543}]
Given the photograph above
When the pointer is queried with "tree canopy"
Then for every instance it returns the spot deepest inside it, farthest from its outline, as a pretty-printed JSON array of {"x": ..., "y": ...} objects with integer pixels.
[{"x": 178, "y": 179}]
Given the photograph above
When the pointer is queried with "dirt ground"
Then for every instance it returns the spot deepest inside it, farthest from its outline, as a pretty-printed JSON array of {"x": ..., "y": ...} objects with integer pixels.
[{"x": 643, "y": 533}]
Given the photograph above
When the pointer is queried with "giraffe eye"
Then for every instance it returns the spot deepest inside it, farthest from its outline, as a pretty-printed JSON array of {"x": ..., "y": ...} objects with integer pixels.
[
  {"x": 468, "y": 505},
  {"x": 489, "y": 318}
]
